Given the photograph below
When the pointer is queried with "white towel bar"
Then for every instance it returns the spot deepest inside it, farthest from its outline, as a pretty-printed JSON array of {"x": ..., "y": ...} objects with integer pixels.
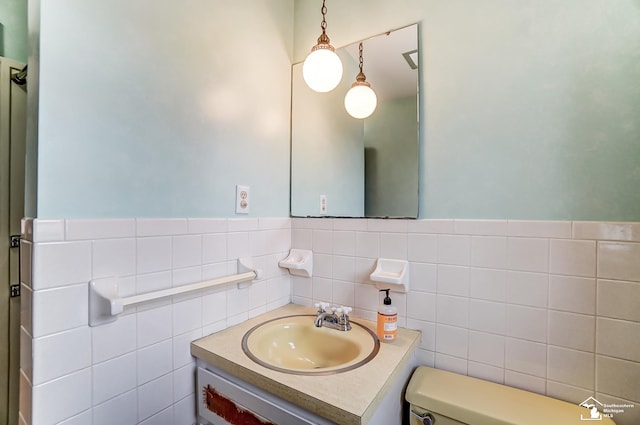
[{"x": 105, "y": 303}]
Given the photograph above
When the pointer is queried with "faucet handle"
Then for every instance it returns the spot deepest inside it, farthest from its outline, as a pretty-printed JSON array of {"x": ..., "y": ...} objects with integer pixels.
[
  {"x": 322, "y": 307},
  {"x": 344, "y": 317}
]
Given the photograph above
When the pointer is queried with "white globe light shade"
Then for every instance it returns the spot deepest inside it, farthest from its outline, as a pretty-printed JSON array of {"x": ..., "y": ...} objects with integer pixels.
[
  {"x": 322, "y": 70},
  {"x": 360, "y": 101}
]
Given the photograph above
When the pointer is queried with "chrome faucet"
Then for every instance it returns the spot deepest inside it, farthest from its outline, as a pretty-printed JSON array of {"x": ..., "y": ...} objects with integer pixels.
[{"x": 338, "y": 318}]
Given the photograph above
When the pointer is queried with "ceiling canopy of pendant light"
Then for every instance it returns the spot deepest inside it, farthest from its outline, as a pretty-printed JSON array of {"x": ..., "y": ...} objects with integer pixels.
[
  {"x": 360, "y": 101},
  {"x": 322, "y": 69}
]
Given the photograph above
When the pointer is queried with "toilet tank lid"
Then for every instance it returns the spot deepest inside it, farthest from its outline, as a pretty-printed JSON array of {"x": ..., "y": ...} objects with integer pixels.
[{"x": 474, "y": 401}]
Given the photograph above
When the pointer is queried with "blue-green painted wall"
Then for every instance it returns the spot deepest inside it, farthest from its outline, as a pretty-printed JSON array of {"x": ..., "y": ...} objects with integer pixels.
[
  {"x": 530, "y": 108},
  {"x": 13, "y": 30},
  {"x": 159, "y": 109}
]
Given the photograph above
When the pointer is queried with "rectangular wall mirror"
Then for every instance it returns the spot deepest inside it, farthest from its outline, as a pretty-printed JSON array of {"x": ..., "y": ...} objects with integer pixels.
[{"x": 361, "y": 167}]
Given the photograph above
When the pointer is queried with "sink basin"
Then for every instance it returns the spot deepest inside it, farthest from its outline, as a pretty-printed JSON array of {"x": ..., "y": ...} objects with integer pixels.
[{"x": 293, "y": 344}]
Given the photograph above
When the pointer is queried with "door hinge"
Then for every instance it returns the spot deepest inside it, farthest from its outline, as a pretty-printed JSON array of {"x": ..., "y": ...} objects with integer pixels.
[
  {"x": 15, "y": 241},
  {"x": 14, "y": 291}
]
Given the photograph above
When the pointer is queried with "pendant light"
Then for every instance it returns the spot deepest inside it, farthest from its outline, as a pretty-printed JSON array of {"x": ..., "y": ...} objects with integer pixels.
[
  {"x": 322, "y": 69},
  {"x": 360, "y": 101}
]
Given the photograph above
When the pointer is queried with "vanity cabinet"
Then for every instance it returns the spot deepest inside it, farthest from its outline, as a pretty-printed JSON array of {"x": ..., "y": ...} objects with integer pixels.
[{"x": 368, "y": 395}]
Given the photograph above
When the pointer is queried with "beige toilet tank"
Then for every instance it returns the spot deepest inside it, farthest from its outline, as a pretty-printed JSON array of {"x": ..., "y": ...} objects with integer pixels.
[{"x": 443, "y": 398}]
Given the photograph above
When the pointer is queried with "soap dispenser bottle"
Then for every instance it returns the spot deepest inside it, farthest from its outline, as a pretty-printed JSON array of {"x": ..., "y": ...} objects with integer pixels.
[{"x": 387, "y": 328}]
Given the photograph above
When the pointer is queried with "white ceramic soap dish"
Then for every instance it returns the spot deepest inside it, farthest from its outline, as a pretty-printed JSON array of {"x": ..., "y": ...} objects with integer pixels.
[
  {"x": 299, "y": 262},
  {"x": 391, "y": 274}
]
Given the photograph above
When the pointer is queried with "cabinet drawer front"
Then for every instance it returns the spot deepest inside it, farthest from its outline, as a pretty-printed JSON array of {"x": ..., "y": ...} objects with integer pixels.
[{"x": 222, "y": 401}]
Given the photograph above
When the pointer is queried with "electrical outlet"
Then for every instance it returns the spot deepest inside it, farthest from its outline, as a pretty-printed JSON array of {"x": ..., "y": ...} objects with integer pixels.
[
  {"x": 242, "y": 199},
  {"x": 323, "y": 204}
]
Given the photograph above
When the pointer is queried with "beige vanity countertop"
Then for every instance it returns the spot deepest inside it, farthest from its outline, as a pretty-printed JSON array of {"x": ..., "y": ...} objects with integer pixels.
[{"x": 348, "y": 398}]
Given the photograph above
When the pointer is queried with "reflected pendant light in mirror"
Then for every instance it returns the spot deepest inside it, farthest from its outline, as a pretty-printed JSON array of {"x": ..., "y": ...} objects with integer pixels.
[
  {"x": 322, "y": 69},
  {"x": 360, "y": 101}
]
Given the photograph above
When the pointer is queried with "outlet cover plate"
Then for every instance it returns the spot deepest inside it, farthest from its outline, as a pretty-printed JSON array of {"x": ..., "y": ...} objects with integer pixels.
[
  {"x": 242, "y": 199},
  {"x": 323, "y": 204}
]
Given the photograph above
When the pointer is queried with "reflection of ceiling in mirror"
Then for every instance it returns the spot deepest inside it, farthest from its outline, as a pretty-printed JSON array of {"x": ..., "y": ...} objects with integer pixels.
[{"x": 385, "y": 65}]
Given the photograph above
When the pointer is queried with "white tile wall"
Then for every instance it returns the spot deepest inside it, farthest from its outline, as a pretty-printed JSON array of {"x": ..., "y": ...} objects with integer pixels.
[
  {"x": 617, "y": 260},
  {"x": 489, "y": 251},
  {"x": 114, "y": 377},
  {"x": 571, "y": 367},
  {"x": 486, "y": 349},
  {"x": 122, "y": 409},
  {"x": 526, "y": 288},
  {"x": 548, "y": 306},
  {"x": 138, "y": 369},
  {"x": 572, "y": 330},
  {"x": 563, "y": 292},
  {"x": 619, "y": 299},
  {"x": 57, "y": 355},
  {"x": 525, "y": 356}
]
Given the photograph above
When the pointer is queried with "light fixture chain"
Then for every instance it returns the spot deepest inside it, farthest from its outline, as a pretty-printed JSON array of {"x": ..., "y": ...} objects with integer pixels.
[
  {"x": 323, "y": 10},
  {"x": 360, "y": 54}
]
